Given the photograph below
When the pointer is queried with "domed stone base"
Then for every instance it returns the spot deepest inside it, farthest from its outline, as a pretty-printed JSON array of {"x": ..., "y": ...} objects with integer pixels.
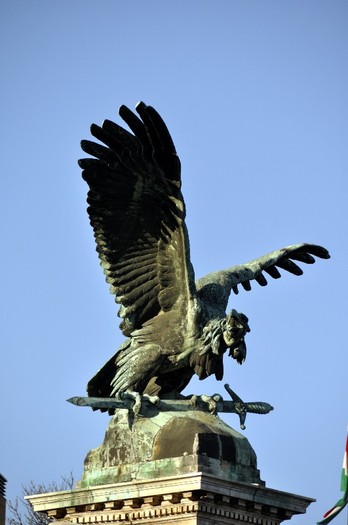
[{"x": 167, "y": 444}]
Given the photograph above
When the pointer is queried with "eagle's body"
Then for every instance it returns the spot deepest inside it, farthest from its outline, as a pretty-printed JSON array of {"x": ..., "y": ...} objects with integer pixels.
[
  {"x": 161, "y": 357},
  {"x": 175, "y": 327}
]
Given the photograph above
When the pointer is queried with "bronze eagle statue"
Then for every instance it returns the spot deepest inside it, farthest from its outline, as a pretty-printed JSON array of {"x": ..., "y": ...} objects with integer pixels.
[{"x": 175, "y": 326}]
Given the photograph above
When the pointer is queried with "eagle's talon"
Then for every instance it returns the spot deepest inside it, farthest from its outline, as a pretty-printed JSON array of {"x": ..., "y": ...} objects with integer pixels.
[
  {"x": 138, "y": 400},
  {"x": 212, "y": 402},
  {"x": 153, "y": 400},
  {"x": 194, "y": 400},
  {"x": 125, "y": 395},
  {"x": 208, "y": 402}
]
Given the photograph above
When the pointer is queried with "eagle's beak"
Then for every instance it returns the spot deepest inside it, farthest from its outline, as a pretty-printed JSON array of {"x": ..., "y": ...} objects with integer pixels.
[{"x": 239, "y": 352}]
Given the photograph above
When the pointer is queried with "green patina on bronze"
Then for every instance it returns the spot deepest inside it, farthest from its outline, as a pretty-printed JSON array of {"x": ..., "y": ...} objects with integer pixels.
[{"x": 175, "y": 326}]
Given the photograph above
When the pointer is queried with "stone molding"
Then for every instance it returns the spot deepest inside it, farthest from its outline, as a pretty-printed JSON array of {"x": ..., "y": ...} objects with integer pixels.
[{"x": 190, "y": 499}]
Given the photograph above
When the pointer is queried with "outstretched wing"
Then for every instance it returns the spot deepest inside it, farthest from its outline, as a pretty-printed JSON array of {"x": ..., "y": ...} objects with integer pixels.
[
  {"x": 216, "y": 287},
  {"x": 137, "y": 213}
]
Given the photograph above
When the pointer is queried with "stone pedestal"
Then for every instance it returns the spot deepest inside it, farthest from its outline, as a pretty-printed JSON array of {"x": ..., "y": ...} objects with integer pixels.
[{"x": 169, "y": 467}]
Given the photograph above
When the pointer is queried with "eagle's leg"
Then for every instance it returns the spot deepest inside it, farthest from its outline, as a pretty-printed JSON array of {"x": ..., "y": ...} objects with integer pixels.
[{"x": 210, "y": 403}]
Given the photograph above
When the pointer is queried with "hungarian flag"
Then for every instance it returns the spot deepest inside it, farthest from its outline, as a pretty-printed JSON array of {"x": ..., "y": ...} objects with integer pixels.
[{"x": 330, "y": 514}]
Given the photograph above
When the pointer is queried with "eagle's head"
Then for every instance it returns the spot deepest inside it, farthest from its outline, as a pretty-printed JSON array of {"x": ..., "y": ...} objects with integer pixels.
[{"x": 235, "y": 328}]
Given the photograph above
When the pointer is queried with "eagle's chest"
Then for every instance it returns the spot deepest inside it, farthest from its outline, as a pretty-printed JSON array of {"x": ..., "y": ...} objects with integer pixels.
[{"x": 175, "y": 334}]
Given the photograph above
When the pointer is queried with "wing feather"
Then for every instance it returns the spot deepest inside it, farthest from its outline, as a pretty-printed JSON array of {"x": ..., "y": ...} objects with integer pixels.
[
  {"x": 216, "y": 287},
  {"x": 133, "y": 278},
  {"x": 137, "y": 213}
]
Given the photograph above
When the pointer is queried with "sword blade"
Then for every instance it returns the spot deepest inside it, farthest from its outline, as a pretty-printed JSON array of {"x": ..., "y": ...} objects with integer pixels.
[{"x": 176, "y": 405}]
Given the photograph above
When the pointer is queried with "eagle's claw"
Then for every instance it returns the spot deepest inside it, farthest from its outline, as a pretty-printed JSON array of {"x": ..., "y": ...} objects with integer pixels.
[
  {"x": 206, "y": 402},
  {"x": 138, "y": 400}
]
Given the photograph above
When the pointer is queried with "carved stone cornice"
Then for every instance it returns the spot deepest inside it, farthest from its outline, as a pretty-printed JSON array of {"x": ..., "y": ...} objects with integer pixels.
[{"x": 196, "y": 498}]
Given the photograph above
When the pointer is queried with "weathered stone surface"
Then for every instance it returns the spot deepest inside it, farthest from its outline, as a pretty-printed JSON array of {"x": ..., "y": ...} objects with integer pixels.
[{"x": 167, "y": 444}]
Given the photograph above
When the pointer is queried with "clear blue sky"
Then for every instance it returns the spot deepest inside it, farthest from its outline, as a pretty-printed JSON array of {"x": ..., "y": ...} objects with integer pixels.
[{"x": 255, "y": 96}]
